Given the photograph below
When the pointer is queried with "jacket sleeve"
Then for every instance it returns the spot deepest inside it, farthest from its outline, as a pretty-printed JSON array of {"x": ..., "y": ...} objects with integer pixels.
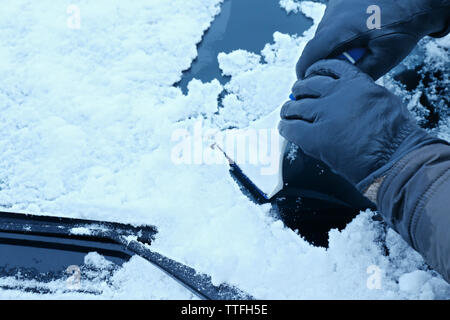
[{"x": 414, "y": 198}]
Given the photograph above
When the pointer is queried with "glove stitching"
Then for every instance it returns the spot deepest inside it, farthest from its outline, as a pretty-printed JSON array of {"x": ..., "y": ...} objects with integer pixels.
[
  {"x": 340, "y": 47},
  {"x": 327, "y": 72},
  {"x": 393, "y": 24},
  {"x": 390, "y": 145}
]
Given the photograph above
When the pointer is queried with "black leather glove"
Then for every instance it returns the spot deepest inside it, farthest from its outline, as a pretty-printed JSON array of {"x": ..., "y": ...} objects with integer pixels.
[
  {"x": 403, "y": 24},
  {"x": 356, "y": 127}
]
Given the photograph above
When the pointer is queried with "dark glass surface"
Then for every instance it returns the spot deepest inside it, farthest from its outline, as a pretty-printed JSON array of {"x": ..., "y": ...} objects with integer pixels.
[{"x": 241, "y": 24}]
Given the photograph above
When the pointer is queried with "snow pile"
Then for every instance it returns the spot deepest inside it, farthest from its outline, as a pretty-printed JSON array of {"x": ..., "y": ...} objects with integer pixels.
[
  {"x": 428, "y": 95},
  {"x": 255, "y": 88},
  {"x": 291, "y": 5},
  {"x": 237, "y": 61},
  {"x": 88, "y": 120},
  {"x": 308, "y": 8},
  {"x": 100, "y": 279}
]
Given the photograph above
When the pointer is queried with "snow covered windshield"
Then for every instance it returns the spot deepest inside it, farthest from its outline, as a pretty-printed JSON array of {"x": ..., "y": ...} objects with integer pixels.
[{"x": 92, "y": 100}]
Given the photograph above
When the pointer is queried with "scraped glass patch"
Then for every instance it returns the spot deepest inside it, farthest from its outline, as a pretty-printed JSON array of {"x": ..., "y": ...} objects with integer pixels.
[{"x": 241, "y": 24}]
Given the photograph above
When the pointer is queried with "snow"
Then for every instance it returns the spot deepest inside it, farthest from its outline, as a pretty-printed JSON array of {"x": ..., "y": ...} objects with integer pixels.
[
  {"x": 290, "y": 5},
  {"x": 136, "y": 279},
  {"x": 414, "y": 281},
  {"x": 237, "y": 61},
  {"x": 88, "y": 119},
  {"x": 88, "y": 231},
  {"x": 80, "y": 231}
]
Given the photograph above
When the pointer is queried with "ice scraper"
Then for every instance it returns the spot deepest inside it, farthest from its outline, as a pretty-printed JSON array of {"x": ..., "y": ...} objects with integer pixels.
[{"x": 263, "y": 181}]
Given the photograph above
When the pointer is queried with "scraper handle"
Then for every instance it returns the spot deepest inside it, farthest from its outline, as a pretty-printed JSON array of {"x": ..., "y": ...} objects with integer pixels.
[{"x": 352, "y": 56}]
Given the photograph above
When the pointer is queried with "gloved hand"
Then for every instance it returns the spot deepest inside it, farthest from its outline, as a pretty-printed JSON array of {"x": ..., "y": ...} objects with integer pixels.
[
  {"x": 403, "y": 24},
  {"x": 356, "y": 127}
]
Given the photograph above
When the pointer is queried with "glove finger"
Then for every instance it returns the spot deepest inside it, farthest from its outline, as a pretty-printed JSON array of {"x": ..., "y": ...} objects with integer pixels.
[
  {"x": 314, "y": 51},
  {"x": 313, "y": 87},
  {"x": 385, "y": 52},
  {"x": 299, "y": 110},
  {"x": 299, "y": 132},
  {"x": 332, "y": 68}
]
